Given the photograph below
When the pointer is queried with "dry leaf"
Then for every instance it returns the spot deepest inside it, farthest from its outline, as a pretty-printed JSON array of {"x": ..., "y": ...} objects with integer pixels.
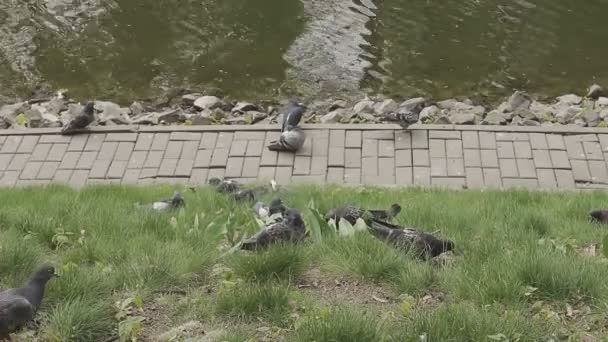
[{"x": 379, "y": 299}]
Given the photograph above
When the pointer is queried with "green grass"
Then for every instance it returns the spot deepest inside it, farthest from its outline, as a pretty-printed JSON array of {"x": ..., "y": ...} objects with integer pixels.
[{"x": 513, "y": 250}]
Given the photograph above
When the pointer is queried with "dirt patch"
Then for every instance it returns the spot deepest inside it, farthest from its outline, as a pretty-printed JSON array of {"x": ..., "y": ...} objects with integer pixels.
[{"x": 343, "y": 290}]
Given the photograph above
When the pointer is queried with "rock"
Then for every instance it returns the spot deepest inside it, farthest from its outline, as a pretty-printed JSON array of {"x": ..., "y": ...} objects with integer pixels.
[
  {"x": 517, "y": 121},
  {"x": 603, "y": 114},
  {"x": 367, "y": 117},
  {"x": 414, "y": 105},
  {"x": 34, "y": 118},
  {"x": 52, "y": 107},
  {"x": 256, "y": 116},
  {"x": 519, "y": 101},
  {"x": 8, "y": 113},
  {"x": 207, "y": 102},
  {"x": 202, "y": 118},
  {"x": 494, "y": 117},
  {"x": 385, "y": 107},
  {"x": 448, "y": 104},
  {"x": 147, "y": 119},
  {"x": 429, "y": 114},
  {"x": 332, "y": 117},
  {"x": 591, "y": 117},
  {"x": 460, "y": 118},
  {"x": 528, "y": 122},
  {"x": 336, "y": 105},
  {"x": 189, "y": 99},
  {"x": 137, "y": 108},
  {"x": 580, "y": 122},
  {"x": 595, "y": 91},
  {"x": 109, "y": 112},
  {"x": 442, "y": 120},
  {"x": 239, "y": 120},
  {"x": 601, "y": 103},
  {"x": 365, "y": 106},
  {"x": 171, "y": 116},
  {"x": 242, "y": 107},
  {"x": 218, "y": 114},
  {"x": 542, "y": 112},
  {"x": 188, "y": 330},
  {"x": 569, "y": 99},
  {"x": 565, "y": 114}
]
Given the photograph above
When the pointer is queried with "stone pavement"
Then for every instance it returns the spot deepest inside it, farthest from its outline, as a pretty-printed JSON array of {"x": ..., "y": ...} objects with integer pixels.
[{"x": 472, "y": 156}]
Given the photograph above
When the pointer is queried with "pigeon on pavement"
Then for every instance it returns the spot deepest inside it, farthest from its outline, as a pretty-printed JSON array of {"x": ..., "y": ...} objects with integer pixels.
[
  {"x": 291, "y": 229},
  {"x": 351, "y": 214},
  {"x": 80, "y": 121},
  {"x": 17, "y": 306},
  {"x": 292, "y": 136}
]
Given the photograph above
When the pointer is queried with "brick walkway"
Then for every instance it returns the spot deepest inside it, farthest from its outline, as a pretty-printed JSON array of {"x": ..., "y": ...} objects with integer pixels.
[{"x": 383, "y": 155}]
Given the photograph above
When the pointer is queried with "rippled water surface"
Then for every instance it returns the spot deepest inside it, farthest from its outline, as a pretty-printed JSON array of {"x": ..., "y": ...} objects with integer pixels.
[{"x": 125, "y": 49}]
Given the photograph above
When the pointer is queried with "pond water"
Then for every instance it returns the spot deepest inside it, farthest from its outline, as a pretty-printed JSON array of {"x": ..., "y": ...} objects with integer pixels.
[{"x": 126, "y": 49}]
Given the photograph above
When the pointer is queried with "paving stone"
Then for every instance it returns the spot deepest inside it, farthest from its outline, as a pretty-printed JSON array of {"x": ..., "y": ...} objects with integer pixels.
[
  {"x": 386, "y": 169},
  {"x": 18, "y": 162},
  {"x": 439, "y": 167},
  {"x": 251, "y": 166},
  {"x": 592, "y": 149},
  {"x": 117, "y": 169},
  {"x": 31, "y": 169},
  {"x": 99, "y": 169},
  {"x": 352, "y": 157},
  {"x": 523, "y": 149},
  {"x": 474, "y": 176},
  {"x": 526, "y": 168},
  {"x": 154, "y": 159},
  {"x": 449, "y": 182},
  {"x": 234, "y": 166},
  {"x": 184, "y": 167},
  {"x": 266, "y": 173},
  {"x": 203, "y": 158},
  {"x": 269, "y": 158},
  {"x": 489, "y": 158},
  {"x": 444, "y": 134},
  {"x": 309, "y": 179},
  {"x": 131, "y": 137},
  {"x": 186, "y": 136},
  {"x": 255, "y": 147},
  {"x": 94, "y": 142},
  {"x": 57, "y": 152},
  {"x": 70, "y": 160},
  {"x": 352, "y": 176},
  {"x": 28, "y": 143},
  {"x": 369, "y": 166},
  {"x": 538, "y": 141},
  {"x": 420, "y": 140},
  {"x": 422, "y": 176},
  {"x": 470, "y": 139},
  {"x": 420, "y": 157},
  {"x": 318, "y": 133},
  {"x": 527, "y": 183},
  {"x": 11, "y": 145},
  {"x": 580, "y": 171},
  {"x": 131, "y": 176},
  {"x": 353, "y": 139},
  {"x": 337, "y": 138},
  {"x": 9, "y": 178},
  {"x": 542, "y": 159},
  {"x": 86, "y": 160},
  {"x": 574, "y": 148},
  {"x": 208, "y": 141},
  {"x": 370, "y": 148},
  {"x": 285, "y": 159},
  {"x": 318, "y": 166},
  {"x": 504, "y": 136},
  {"x": 472, "y": 158},
  {"x": 198, "y": 177},
  {"x": 508, "y": 168},
  {"x": 238, "y": 148},
  {"x": 283, "y": 175},
  {"x": 5, "y": 160},
  {"x": 598, "y": 170},
  {"x": 505, "y": 150},
  {"x": 215, "y": 173},
  {"x": 555, "y": 142},
  {"x": 455, "y": 167},
  {"x": 583, "y": 137},
  {"x": 41, "y": 151},
  {"x": 454, "y": 148},
  {"x": 249, "y": 135},
  {"x": 107, "y": 151},
  {"x": 219, "y": 157},
  {"x": 124, "y": 150},
  {"x": 546, "y": 178},
  {"x": 148, "y": 173},
  {"x": 336, "y": 156},
  {"x": 2, "y": 139},
  {"x": 491, "y": 178},
  {"x": 305, "y": 150},
  {"x": 167, "y": 167},
  {"x": 335, "y": 175},
  {"x": 54, "y": 139},
  {"x": 189, "y": 150},
  {"x": 386, "y": 148},
  {"x": 320, "y": 147},
  {"x": 62, "y": 176},
  {"x": 144, "y": 141},
  {"x": 403, "y": 158},
  {"x": 379, "y": 135},
  {"x": 174, "y": 149},
  {"x": 404, "y": 176},
  {"x": 559, "y": 159},
  {"x": 160, "y": 142},
  {"x": 437, "y": 148},
  {"x": 603, "y": 138},
  {"x": 403, "y": 140},
  {"x": 487, "y": 140}
]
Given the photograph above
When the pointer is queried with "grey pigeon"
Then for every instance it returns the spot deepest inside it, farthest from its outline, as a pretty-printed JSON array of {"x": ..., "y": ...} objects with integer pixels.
[
  {"x": 291, "y": 229},
  {"x": 80, "y": 121},
  {"x": 17, "y": 306},
  {"x": 407, "y": 118},
  {"x": 292, "y": 136},
  {"x": 351, "y": 214},
  {"x": 276, "y": 206},
  {"x": 177, "y": 201},
  {"x": 226, "y": 186},
  {"x": 599, "y": 216},
  {"x": 420, "y": 244}
]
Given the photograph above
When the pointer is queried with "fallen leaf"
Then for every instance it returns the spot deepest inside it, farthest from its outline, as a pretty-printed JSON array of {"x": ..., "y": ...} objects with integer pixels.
[{"x": 380, "y": 300}]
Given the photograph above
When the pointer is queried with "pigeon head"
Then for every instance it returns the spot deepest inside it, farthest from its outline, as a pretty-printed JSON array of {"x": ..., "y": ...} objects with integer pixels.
[
  {"x": 89, "y": 108},
  {"x": 292, "y": 216},
  {"x": 43, "y": 274},
  {"x": 442, "y": 247},
  {"x": 296, "y": 104},
  {"x": 215, "y": 181},
  {"x": 395, "y": 209}
]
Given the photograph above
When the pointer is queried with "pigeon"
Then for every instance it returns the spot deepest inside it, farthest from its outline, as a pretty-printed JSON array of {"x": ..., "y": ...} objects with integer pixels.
[
  {"x": 17, "y": 306},
  {"x": 177, "y": 201},
  {"x": 407, "y": 118},
  {"x": 80, "y": 121},
  {"x": 244, "y": 195},
  {"x": 292, "y": 136},
  {"x": 226, "y": 186},
  {"x": 275, "y": 207},
  {"x": 599, "y": 216},
  {"x": 351, "y": 214},
  {"x": 290, "y": 229},
  {"x": 422, "y": 245}
]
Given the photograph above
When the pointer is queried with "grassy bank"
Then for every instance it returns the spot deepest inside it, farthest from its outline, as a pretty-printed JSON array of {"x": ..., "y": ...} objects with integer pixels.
[{"x": 523, "y": 268}]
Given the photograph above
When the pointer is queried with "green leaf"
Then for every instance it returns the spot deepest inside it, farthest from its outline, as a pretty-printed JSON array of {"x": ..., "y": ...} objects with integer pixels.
[
  {"x": 345, "y": 228},
  {"x": 605, "y": 246},
  {"x": 21, "y": 120}
]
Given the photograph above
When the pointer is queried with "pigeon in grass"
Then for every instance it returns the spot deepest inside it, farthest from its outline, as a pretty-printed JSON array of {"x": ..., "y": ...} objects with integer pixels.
[
  {"x": 351, "y": 214},
  {"x": 276, "y": 206},
  {"x": 17, "y": 306},
  {"x": 80, "y": 121},
  {"x": 420, "y": 244},
  {"x": 177, "y": 201},
  {"x": 599, "y": 216},
  {"x": 290, "y": 229},
  {"x": 292, "y": 136},
  {"x": 225, "y": 186}
]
